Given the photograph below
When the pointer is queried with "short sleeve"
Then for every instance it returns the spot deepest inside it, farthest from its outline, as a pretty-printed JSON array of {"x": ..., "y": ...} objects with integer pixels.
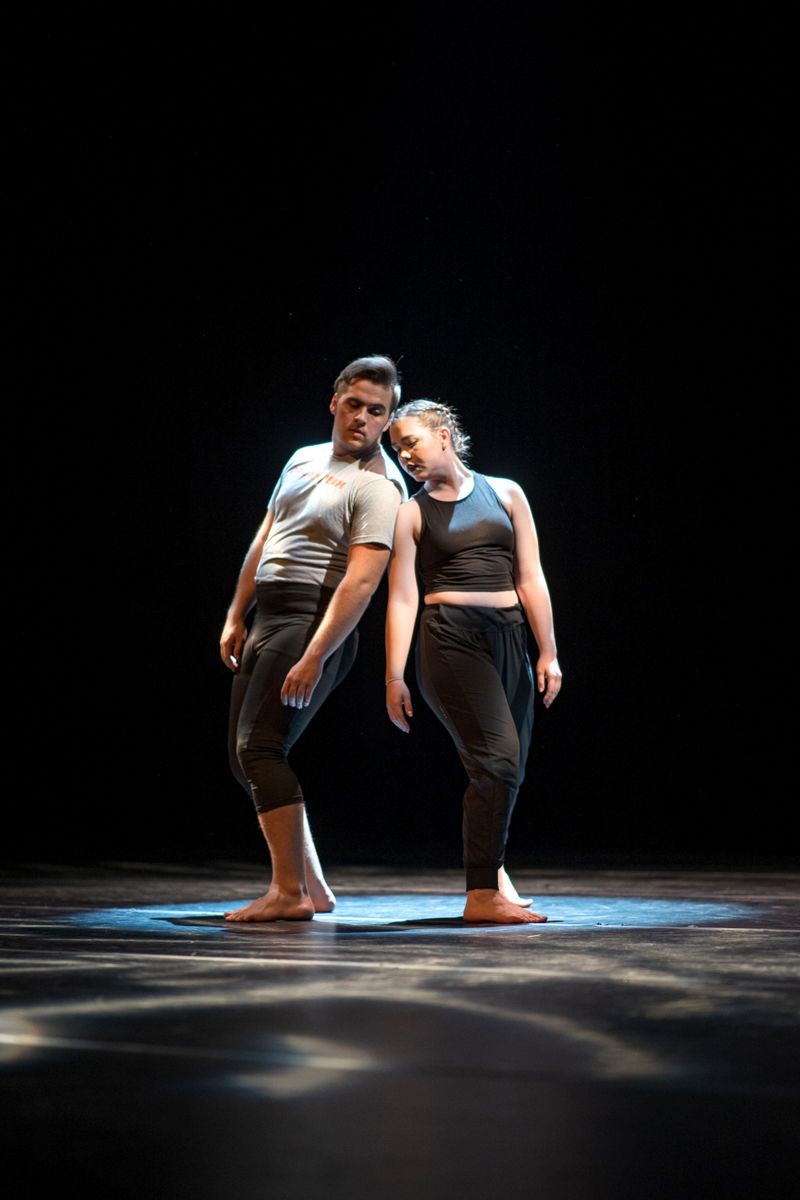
[
  {"x": 272, "y": 507},
  {"x": 374, "y": 513}
]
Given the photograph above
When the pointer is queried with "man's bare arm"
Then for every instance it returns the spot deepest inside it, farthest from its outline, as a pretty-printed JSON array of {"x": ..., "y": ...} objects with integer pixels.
[
  {"x": 235, "y": 631},
  {"x": 365, "y": 566}
]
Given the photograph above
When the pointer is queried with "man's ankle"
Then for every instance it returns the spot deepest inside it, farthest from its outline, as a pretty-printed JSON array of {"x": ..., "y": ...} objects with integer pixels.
[{"x": 290, "y": 888}]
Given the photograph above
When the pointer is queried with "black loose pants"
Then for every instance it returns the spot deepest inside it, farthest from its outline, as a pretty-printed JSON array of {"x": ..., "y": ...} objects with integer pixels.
[
  {"x": 473, "y": 670},
  {"x": 261, "y": 730}
]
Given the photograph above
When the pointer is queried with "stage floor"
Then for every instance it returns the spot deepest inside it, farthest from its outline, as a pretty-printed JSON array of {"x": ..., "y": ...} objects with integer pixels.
[{"x": 641, "y": 1044}]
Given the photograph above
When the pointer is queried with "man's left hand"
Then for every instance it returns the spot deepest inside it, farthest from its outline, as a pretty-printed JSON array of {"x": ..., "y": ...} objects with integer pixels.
[{"x": 298, "y": 686}]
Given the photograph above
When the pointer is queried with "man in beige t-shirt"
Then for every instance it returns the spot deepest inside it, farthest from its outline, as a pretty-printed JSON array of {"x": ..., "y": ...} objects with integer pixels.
[{"x": 311, "y": 570}]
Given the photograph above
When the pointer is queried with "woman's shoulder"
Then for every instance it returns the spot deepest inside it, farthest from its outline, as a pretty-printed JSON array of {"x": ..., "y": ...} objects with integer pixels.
[
  {"x": 507, "y": 489},
  {"x": 419, "y": 500},
  {"x": 409, "y": 517}
]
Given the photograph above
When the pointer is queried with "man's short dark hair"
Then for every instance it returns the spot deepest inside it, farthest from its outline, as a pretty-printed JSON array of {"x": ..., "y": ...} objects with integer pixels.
[{"x": 377, "y": 368}]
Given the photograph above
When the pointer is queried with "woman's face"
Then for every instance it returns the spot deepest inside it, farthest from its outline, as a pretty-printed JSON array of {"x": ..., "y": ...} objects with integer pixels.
[{"x": 418, "y": 448}]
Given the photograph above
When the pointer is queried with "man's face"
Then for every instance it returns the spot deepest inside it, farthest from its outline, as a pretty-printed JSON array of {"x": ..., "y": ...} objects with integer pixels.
[{"x": 360, "y": 415}]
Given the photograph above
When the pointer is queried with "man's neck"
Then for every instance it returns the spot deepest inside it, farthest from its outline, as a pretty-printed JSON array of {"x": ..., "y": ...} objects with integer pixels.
[{"x": 366, "y": 456}]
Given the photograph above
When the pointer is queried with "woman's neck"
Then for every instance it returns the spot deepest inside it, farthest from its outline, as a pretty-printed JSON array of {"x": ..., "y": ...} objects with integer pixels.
[{"x": 452, "y": 481}]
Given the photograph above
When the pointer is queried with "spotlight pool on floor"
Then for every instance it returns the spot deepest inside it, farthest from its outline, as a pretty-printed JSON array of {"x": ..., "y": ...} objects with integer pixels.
[{"x": 431, "y": 914}]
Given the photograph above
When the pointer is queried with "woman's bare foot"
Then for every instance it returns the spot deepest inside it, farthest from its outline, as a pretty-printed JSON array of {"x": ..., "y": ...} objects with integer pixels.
[
  {"x": 506, "y": 888},
  {"x": 321, "y": 895},
  {"x": 277, "y": 905},
  {"x": 486, "y": 904}
]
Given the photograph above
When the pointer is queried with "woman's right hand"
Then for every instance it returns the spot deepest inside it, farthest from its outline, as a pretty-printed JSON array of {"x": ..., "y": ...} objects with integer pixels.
[{"x": 398, "y": 698}]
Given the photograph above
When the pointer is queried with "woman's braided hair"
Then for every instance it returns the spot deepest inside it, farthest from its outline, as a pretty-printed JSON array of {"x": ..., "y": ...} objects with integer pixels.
[{"x": 437, "y": 416}]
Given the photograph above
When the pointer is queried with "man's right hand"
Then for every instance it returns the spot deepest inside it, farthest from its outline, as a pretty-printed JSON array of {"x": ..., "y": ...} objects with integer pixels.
[{"x": 233, "y": 638}]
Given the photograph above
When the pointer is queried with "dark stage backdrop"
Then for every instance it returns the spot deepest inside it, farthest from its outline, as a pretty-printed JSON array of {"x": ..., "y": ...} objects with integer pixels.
[{"x": 554, "y": 218}]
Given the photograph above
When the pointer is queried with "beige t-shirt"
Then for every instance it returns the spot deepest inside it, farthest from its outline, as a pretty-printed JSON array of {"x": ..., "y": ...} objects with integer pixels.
[{"x": 321, "y": 506}]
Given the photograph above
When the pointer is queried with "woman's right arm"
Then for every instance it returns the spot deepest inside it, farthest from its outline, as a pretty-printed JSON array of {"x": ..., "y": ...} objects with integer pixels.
[{"x": 401, "y": 612}]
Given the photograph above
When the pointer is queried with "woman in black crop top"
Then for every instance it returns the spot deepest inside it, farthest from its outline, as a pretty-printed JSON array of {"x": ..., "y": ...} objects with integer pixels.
[{"x": 473, "y": 541}]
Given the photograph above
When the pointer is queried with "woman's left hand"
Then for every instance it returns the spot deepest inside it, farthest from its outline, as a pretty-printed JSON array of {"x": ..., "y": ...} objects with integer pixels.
[{"x": 548, "y": 674}]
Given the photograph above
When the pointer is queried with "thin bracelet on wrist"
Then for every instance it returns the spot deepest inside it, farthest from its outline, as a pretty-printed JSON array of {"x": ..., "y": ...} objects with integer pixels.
[{"x": 397, "y": 679}]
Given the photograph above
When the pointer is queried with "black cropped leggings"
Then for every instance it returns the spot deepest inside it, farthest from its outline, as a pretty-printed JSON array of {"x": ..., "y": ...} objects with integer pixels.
[
  {"x": 474, "y": 672},
  {"x": 261, "y": 730}
]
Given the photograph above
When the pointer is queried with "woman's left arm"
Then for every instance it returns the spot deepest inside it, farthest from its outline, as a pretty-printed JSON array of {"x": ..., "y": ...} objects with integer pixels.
[{"x": 532, "y": 586}]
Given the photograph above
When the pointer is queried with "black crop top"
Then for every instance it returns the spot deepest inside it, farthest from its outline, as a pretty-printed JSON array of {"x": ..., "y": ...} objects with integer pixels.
[{"x": 466, "y": 545}]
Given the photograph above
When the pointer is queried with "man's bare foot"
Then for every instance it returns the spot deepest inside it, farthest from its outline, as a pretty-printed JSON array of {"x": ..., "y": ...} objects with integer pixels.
[
  {"x": 486, "y": 904},
  {"x": 276, "y": 906},
  {"x": 506, "y": 888}
]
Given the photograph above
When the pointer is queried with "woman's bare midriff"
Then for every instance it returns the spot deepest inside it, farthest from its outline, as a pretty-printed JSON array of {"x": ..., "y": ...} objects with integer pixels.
[{"x": 476, "y": 599}]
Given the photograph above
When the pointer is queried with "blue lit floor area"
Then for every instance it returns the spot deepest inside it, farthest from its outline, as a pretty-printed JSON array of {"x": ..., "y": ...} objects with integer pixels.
[
  {"x": 420, "y": 914},
  {"x": 642, "y": 1043}
]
